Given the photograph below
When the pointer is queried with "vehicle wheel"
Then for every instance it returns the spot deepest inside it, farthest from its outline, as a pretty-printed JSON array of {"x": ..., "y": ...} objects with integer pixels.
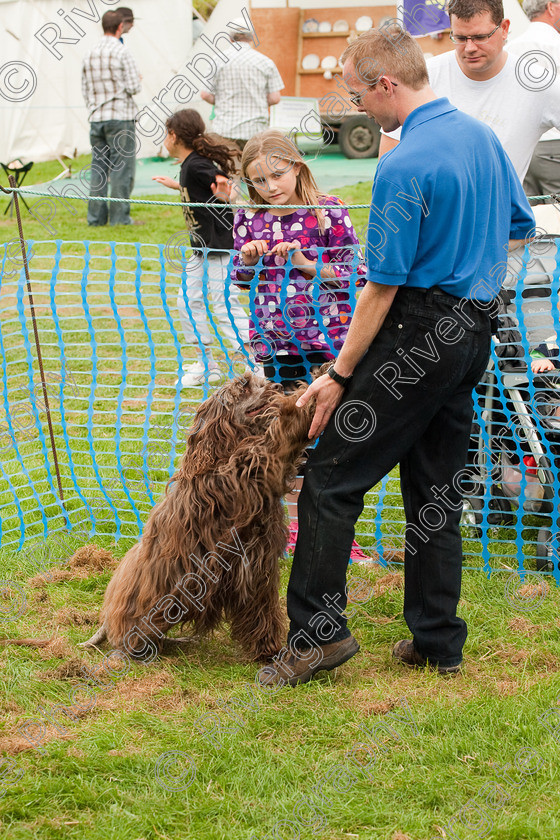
[
  {"x": 501, "y": 513},
  {"x": 471, "y": 518},
  {"x": 358, "y": 137},
  {"x": 546, "y": 551}
]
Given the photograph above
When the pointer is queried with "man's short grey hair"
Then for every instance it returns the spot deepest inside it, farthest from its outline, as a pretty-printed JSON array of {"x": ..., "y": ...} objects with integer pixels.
[{"x": 535, "y": 8}]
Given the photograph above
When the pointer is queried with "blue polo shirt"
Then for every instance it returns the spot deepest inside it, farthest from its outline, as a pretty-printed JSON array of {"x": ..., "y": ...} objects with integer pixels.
[{"x": 445, "y": 202}]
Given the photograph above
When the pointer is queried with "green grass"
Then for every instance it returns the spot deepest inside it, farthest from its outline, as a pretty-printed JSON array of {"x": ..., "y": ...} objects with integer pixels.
[
  {"x": 70, "y": 218},
  {"x": 94, "y": 776}
]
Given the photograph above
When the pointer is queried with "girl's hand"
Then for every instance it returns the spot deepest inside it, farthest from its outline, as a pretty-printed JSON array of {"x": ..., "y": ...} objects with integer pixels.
[
  {"x": 252, "y": 251},
  {"x": 282, "y": 249},
  {"x": 222, "y": 188},
  {"x": 540, "y": 365},
  {"x": 167, "y": 182}
]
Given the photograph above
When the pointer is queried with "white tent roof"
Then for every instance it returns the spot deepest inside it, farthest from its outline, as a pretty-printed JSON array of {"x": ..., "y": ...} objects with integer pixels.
[{"x": 42, "y": 112}]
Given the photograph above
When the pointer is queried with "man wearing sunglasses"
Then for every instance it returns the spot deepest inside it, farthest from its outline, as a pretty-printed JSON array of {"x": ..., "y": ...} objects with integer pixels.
[
  {"x": 480, "y": 78},
  {"x": 444, "y": 206}
]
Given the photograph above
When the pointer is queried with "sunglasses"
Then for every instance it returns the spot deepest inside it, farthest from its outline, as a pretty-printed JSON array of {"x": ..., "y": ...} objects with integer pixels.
[{"x": 357, "y": 97}]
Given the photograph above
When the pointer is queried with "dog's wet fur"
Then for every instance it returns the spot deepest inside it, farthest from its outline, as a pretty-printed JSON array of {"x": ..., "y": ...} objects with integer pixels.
[{"x": 211, "y": 547}]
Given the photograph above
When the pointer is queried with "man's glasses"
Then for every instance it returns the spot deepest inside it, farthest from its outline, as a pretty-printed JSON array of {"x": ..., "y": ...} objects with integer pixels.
[
  {"x": 476, "y": 39},
  {"x": 357, "y": 97}
]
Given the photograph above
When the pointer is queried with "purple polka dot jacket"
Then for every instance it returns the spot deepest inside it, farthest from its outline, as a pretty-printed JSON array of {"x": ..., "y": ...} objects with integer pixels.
[{"x": 290, "y": 310}]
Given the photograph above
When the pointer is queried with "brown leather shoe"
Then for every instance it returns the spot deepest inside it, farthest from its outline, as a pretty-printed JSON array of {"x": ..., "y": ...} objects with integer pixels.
[
  {"x": 289, "y": 669},
  {"x": 406, "y": 653}
]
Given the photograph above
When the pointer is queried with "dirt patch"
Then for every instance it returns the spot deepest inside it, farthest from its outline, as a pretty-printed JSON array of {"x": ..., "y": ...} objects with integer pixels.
[
  {"x": 93, "y": 558},
  {"x": 37, "y": 581},
  {"x": 141, "y": 693},
  {"x": 523, "y": 626},
  {"x": 84, "y": 561},
  {"x": 56, "y": 575},
  {"x": 506, "y": 688},
  {"x": 10, "y": 710},
  {"x": 362, "y": 700},
  {"x": 47, "y": 648},
  {"x": 509, "y": 654},
  {"x": 391, "y": 581},
  {"x": 127, "y": 312},
  {"x": 532, "y": 591},
  {"x": 73, "y": 618},
  {"x": 71, "y": 669},
  {"x": 400, "y": 836},
  {"x": 57, "y": 648},
  {"x": 14, "y": 744}
]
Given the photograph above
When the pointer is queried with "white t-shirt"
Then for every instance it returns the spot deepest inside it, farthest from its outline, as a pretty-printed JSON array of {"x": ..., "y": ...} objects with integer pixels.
[
  {"x": 518, "y": 116},
  {"x": 539, "y": 38}
]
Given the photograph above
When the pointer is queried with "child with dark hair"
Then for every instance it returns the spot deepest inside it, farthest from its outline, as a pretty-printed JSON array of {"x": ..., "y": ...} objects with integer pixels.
[{"x": 206, "y": 165}]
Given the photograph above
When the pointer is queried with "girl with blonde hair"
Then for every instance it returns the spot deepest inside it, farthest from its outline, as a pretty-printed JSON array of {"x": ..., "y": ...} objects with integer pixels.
[{"x": 307, "y": 259}]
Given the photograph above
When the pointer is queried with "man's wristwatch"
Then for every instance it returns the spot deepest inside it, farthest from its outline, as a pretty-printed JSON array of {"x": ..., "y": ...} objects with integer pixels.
[{"x": 341, "y": 380}]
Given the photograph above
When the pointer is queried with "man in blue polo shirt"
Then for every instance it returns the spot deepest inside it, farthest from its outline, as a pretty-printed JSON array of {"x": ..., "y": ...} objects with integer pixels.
[{"x": 446, "y": 205}]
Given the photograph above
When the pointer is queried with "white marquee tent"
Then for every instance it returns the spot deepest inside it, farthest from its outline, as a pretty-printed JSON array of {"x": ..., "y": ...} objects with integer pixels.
[{"x": 42, "y": 112}]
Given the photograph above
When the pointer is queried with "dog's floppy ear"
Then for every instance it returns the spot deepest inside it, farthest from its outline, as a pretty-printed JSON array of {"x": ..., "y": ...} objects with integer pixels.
[{"x": 214, "y": 434}]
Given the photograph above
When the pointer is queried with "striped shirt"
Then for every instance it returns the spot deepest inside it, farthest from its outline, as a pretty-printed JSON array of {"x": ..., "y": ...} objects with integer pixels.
[
  {"x": 110, "y": 78},
  {"x": 240, "y": 87}
]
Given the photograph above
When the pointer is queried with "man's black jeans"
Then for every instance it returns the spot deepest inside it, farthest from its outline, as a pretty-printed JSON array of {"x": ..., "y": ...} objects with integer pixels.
[{"x": 409, "y": 403}]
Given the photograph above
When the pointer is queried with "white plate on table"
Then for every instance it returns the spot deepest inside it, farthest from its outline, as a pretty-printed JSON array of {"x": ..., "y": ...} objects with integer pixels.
[{"x": 325, "y": 26}]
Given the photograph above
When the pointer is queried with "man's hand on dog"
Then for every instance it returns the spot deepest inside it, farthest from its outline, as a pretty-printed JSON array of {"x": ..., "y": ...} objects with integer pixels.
[{"x": 328, "y": 394}]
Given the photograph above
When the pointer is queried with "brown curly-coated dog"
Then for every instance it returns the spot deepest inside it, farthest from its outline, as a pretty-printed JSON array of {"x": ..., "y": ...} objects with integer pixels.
[{"x": 210, "y": 549}]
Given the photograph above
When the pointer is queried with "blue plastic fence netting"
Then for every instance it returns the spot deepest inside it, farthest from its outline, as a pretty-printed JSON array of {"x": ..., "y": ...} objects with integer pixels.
[{"x": 133, "y": 337}]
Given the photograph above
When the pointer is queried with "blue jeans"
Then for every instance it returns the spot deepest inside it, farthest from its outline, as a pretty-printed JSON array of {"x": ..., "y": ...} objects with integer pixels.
[
  {"x": 113, "y": 160},
  {"x": 407, "y": 408}
]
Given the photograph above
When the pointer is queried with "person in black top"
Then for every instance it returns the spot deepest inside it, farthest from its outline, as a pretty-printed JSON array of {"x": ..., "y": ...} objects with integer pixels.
[{"x": 211, "y": 235}]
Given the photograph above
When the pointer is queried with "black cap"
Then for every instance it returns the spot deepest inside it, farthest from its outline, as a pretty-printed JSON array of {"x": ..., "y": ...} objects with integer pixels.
[{"x": 125, "y": 12}]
